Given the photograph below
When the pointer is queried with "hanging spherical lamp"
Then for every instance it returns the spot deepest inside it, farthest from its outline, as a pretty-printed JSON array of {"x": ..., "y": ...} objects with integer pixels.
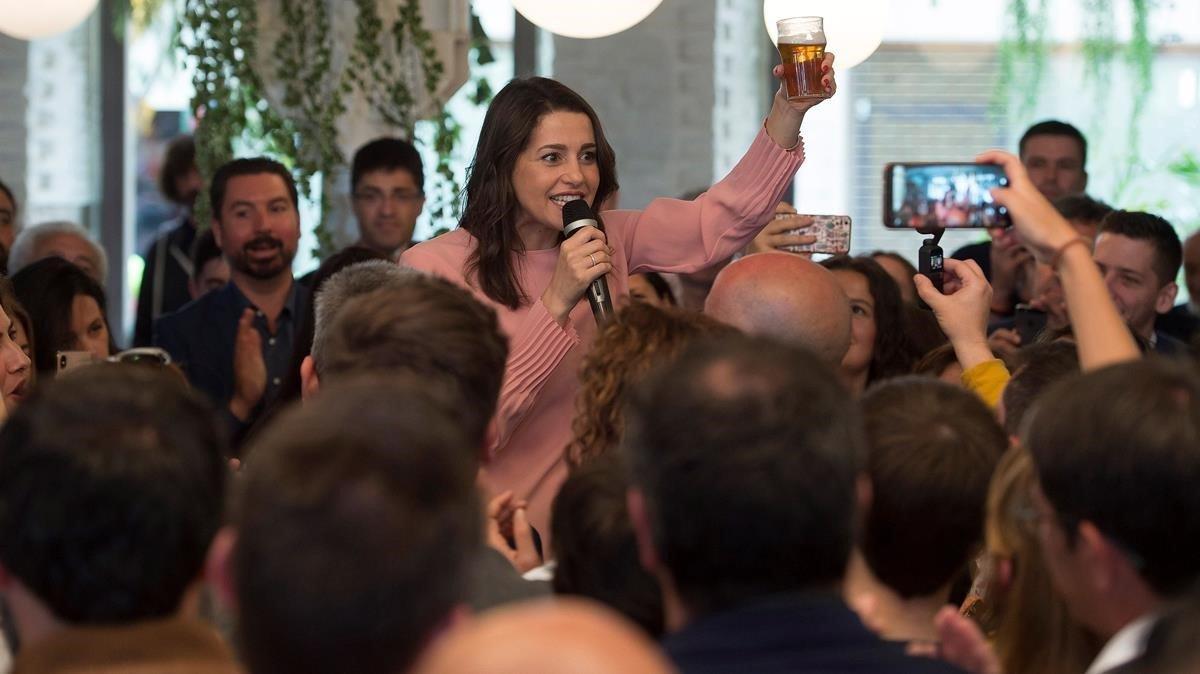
[
  {"x": 853, "y": 28},
  {"x": 33, "y": 19},
  {"x": 585, "y": 18}
]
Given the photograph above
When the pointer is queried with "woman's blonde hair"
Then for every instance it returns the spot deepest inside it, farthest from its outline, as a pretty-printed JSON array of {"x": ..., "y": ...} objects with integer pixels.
[
  {"x": 1034, "y": 632},
  {"x": 639, "y": 337}
]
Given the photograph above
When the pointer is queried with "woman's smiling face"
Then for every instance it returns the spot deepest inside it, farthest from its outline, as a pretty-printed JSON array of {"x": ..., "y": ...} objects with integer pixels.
[{"x": 557, "y": 165}]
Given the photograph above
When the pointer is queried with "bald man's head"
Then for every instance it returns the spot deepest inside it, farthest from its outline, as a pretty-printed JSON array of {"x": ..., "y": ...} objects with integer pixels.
[
  {"x": 786, "y": 297},
  {"x": 560, "y": 636}
]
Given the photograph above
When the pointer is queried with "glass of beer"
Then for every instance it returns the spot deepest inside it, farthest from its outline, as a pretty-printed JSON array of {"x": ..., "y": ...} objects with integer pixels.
[{"x": 801, "y": 45}]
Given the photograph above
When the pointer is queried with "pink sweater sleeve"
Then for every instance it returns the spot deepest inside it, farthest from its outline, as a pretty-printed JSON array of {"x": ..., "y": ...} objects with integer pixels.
[
  {"x": 535, "y": 350},
  {"x": 536, "y": 345},
  {"x": 677, "y": 236}
]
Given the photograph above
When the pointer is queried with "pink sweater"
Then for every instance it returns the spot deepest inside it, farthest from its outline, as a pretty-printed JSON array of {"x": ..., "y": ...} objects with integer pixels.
[{"x": 537, "y": 399}]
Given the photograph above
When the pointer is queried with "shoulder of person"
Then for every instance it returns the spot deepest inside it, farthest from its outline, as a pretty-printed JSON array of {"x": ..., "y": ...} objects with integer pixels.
[
  {"x": 199, "y": 310},
  {"x": 442, "y": 253}
]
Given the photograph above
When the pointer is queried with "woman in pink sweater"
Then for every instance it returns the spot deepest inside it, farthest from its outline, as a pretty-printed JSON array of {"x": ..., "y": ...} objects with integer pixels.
[{"x": 541, "y": 146}]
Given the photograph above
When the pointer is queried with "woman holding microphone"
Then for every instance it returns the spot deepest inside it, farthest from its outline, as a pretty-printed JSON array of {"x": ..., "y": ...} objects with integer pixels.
[{"x": 542, "y": 146}]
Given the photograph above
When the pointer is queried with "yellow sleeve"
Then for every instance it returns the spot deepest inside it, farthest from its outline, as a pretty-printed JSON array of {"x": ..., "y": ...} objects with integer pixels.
[{"x": 987, "y": 380}]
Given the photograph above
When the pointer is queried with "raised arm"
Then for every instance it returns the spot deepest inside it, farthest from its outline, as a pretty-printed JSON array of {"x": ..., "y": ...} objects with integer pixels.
[
  {"x": 962, "y": 313},
  {"x": 677, "y": 236},
  {"x": 1100, "y": 334}
]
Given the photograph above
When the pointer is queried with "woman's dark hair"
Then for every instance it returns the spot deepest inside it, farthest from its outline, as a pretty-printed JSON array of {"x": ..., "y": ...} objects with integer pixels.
[
  {"x": 661, "y": 287},
  {"x": 491, "y": 209},
  {"x": 894, "y": 353},
  {"x": 47, "y": 288},
  {"x": 179, "y": 158},
  {"x": 11, "y": 197},
  {"x": 15, "y": 312}
]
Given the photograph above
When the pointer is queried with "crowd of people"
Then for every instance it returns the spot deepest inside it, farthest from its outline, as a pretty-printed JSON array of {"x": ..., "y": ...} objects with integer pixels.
[{"x": 431, "y": 457}]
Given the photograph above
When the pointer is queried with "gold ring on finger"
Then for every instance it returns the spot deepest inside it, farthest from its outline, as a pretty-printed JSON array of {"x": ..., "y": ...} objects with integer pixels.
[{"x": 593, "y": 259}]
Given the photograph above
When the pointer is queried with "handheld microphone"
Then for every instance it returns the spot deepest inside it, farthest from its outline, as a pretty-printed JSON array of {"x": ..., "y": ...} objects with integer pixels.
[{"x": 577, "y": 215}]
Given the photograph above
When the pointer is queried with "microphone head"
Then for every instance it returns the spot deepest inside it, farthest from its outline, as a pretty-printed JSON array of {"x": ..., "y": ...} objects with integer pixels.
[{"x": 576, "y": 209}]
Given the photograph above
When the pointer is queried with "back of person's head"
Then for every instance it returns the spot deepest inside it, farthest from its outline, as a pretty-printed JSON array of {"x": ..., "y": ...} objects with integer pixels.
[
  {"x": 111, "y": 489},
  {"x": 27, "y": 247},
  {"x": 47, "y": 289},
  {"x": 1054, "y": 127},
  {"x": 1140, "y": 226},
  {"x": 1120, "y": 448},
  {"x": 356, "y": 279},
  {"x": 931, "y": 450},
  {"x": 204, "y": 249},
  {"x": 346, "y": 258},
  {"x": 746, "y": 453},
  {"x": 640, "y": 337},
  {"x": 785, "y": 297},
  {"x": 940, "y": 363},
  {"x": 1032, "y": 627},
  {"x": 355, "y": 520},
  {"x": 1082, "y": 208},
  {"x": 595, "y": 549},
  {"x": 426, "y": 326},
  {"x": 1035, "y": 369},
  {"x": 560, "y": 637},
  {"x": 387, "y": 154},
  {"x": 923, "y": 332},
  {"x": 247, "y": 166},
  {"x": 178, "y": 161}
]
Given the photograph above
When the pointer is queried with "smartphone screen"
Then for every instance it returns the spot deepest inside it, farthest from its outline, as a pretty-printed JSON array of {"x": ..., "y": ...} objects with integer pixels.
[
  {"x": 947, "y": 196},
  {"x": 832, "y": 232}
]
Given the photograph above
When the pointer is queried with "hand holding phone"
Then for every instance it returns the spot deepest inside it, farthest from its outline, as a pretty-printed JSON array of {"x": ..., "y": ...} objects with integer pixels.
[
  {"x": 830, "y": 235},
  {"x": 1038, "y": 224},
  {"x": 786, "y": 229},
  {"x": 962, "y": 311}
]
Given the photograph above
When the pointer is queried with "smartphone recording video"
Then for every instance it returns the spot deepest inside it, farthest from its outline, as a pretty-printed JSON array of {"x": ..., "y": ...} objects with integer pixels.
[{"x": 945, "y": 196}]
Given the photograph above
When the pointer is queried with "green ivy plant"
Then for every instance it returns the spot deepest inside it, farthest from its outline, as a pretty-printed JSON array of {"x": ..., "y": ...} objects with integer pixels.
[
  {"x": 221, "y": 39},
  {"x": 1025, "y": 45},
  {"x": 1023, "y": 54}
]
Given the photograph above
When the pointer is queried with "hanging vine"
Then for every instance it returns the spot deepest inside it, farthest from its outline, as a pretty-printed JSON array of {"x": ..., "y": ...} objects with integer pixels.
[
  {"x": 1022, "y": 55},
  {"x": 1140, "y": 56},
  {"x": 1023, "y": 63},
  {"x": 387, "y": 64},
  {"x": 221, "y": 38},
  {"x": 303, "y": 64}
]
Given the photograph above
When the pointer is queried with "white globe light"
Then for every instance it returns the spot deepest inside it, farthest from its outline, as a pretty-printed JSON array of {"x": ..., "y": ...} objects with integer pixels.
[
  {"x": 32, "y": 19},
  {"x": 853, "y": 28},
  {"x": 585, "y": 18}
]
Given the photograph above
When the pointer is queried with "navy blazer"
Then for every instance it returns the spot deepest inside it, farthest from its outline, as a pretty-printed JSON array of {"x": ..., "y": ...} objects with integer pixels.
[
  {"x": 200, "y": 338},
  {"x": 792, "y": 634}
]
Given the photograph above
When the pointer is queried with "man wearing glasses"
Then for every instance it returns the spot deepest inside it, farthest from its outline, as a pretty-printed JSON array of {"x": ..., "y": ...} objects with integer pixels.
[{"x": 387, "y": 182}]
